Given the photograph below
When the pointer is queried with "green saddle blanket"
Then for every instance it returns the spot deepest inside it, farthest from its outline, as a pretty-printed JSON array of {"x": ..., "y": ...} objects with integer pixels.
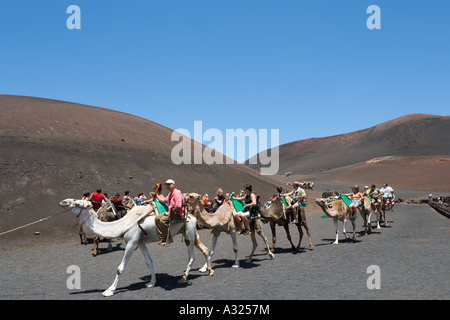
[{"x": 162, "y": 207}]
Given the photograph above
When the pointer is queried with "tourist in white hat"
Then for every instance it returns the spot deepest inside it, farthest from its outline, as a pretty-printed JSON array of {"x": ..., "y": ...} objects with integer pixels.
[{"x": 175, "y": 201}]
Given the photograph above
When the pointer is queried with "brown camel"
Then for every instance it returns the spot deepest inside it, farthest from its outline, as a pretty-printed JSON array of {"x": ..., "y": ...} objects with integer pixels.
[
  {"x": 226, "y": 224},
  {"x": 221, "y": 221},
  {"x": 383, "y": 210},
  {"x": 365, "y": 210},
  {"x": 278, "y": 214},
  {"x": 338, "y": 211}
]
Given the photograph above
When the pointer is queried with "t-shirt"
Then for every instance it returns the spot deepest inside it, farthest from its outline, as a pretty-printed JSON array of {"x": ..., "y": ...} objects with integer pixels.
[
  {"x": 117, "y": 202},
  {"x": 374, "y": 193},
  {"x": 175, "y": 199},
  {"x": 297, "y": 192},
  {"x": 96, "y": 199},
  {"x": 387, "y": 191}
]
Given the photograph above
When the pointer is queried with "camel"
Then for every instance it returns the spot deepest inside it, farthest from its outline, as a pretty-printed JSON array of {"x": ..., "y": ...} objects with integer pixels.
[
  {"x": 136, "y": 228},
  {"x": 339, "y": 212},
  {"x": 256, "y": 226},
  {"x": 366, "y": 213},
  {"x": 226, "y": 222},
  {"x": 382, "y": 211},
  {"x": 104, "y": 214},
  {"x": 221, "y": 221},
  {"x": 278, "y": 214}
]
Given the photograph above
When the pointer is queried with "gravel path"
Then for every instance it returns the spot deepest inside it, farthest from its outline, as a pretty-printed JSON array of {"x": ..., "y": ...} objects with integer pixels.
[{"x": 412, "y": 255}]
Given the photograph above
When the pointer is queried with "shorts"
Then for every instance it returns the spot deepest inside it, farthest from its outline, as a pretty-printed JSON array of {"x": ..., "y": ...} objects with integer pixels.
[{"x": 356, "y": 202}]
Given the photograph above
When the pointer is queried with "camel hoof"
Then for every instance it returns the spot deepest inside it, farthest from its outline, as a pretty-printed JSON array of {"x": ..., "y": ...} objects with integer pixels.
[
  {"x": 182, "y": 280},
  {"x": 202, "y": 269},
  {"x": 248, "y": 260},
  {"x": 271, "y": 255},
  {"x": 236, "y": 265},
  {"x": 150, "y": 284},
  {"x": 335, "y": 242},
  {"x": 211, "y": 272},
  {"x": 108, "y": 293}
]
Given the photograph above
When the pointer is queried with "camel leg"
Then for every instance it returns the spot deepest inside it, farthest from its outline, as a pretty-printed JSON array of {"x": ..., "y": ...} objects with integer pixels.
[
  {"x": 215, "y": 236},
  {"x": 354, "y": 233},
  {"x": 255, "y": 244},
  {"x": 190, "y": 248},
  {"x": 288, "y": 234},
  {"x": 308, "y": 233},
  {"x": 96, "y": 242},
  {"x": 384, "y": 217},
  {"x": 261, "y": 234},
  {"x": 378, "y": 215},
  {"x": 204, "y": 250},
  {"x": 305, "y": 225},
  {"x": 274, "y": 234},
  {"x": 364, "y": 217},
  {"x": 344, "y": 223},
  {"x": 369, "y": 221},
  {"x": 144, "y": 250},
  {"x": 131, "y": 246},
  {"x": 83, "y": 239},
  {"x": 300, "y": 233},
  {"x": 258, "y": 229},
  {"x": 235, "y": 249},
  {"x": 337, "y": 231}
]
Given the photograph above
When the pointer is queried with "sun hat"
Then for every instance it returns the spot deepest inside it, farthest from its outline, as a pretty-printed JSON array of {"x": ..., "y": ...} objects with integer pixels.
[{"x": 170, "y": 181}]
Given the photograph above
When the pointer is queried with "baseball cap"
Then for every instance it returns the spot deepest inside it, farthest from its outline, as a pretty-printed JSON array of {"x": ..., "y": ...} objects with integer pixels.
[{"x": 170, "y": 181}]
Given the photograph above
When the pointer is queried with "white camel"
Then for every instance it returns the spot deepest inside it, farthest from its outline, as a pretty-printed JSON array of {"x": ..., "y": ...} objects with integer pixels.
[{"x": 136, "y": 228}]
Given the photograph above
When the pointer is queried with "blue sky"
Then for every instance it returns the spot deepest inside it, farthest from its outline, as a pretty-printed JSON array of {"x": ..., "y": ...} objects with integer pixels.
[{"x": 307, "y": 68}]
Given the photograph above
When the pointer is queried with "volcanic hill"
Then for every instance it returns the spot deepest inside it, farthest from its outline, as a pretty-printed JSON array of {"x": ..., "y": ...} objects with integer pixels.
[
  {"x": 52, "y": 150},
  {"x": 411, "y": 152}
]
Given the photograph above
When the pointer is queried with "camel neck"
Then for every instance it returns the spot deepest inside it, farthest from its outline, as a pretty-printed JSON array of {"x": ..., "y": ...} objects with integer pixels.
[{"x": 109, "y": 230}]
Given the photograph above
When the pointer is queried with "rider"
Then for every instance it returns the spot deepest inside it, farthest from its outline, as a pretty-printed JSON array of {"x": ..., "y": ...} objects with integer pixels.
[
  {"x": 388, "y": 193},
  {"x": 97, "y": 198},
  {"x": 294, "y": 198},
  {"x": 250, "y": 201},
  {"x": 375, "y": 194},
  {"x": 356, "y": 199},
  {"x": 176, "y": 206}
]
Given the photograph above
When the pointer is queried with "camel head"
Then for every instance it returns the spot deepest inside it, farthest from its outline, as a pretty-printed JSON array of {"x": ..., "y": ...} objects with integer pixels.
[
  {"x": 321, "y": 202},
  {"x": 72, "y": 203},
  {"x": 194, "y": 201},
  {"x": 190, "y": 198}
]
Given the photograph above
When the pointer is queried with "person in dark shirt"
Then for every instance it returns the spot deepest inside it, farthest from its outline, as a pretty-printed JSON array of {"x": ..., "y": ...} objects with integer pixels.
[
  {"x": 117, "y": 202},
  {"x": 218, "y": 200}
]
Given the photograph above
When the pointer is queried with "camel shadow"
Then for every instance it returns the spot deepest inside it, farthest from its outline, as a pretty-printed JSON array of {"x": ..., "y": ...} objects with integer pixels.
[
  {"x": 116, "y": 247},
  {"x": 163, "y": 280},
  {"x": 166, "y": 281},
  {"x": 289, "y": 250},
  {"x": 330, "y": 242},
  {"x": 226, "y": 263}
]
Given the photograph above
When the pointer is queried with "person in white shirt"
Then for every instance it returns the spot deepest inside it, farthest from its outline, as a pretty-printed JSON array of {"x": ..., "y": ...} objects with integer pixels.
[{"x": 388, "y": 193}]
